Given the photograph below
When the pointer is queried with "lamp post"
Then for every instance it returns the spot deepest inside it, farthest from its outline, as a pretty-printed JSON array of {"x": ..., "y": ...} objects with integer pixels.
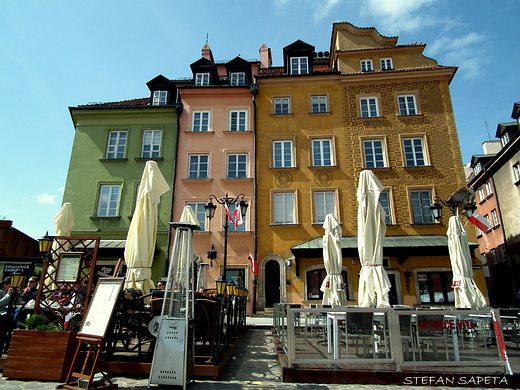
[
  {"x": 459, "y": 199},
  {"x": 210, "y": 208}
]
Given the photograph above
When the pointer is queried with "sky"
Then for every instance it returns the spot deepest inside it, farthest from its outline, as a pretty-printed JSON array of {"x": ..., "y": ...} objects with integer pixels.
[{"x": 62, "y": 53}]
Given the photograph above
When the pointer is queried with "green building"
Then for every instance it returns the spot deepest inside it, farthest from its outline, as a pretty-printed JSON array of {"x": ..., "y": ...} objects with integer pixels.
[{"x": 112, "y": 143}]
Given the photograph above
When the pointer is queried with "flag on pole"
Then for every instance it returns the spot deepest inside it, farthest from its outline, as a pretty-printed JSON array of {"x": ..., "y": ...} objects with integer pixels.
[
  {"x": 479, "y": 221},
  {"x": 254, "y": 264},
  {"x": 226, "y": 210},
  {"x": 237, "y": 216}
]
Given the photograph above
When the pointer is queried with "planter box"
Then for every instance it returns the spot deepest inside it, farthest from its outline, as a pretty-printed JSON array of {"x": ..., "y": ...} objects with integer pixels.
[{"x": 40, "y": 355}]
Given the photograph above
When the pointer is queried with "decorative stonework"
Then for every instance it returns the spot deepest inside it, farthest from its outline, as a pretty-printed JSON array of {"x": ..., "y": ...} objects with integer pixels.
[
  {"x": 283, "y": 179},
  {"x": 323, "y": 177}
]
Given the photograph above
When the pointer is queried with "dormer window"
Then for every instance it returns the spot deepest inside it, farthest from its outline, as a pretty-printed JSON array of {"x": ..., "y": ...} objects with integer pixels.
[
  {"x": 505, "y": 139},
  {"x": 386, "y": 64},
  {"x": 237, "y": 78},
  {"x": 160, "y": 98},
  {"x": 202, "y": 79},
  {"x": 299, "y": 65},
  {"x": 366, "y": 66},
  {"x": 477, "y": 168}
]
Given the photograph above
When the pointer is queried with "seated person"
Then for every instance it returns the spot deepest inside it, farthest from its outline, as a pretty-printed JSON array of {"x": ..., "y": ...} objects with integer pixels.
[
  {"x": 31, "y": 290},
  {"x": 63, "y": 295}
]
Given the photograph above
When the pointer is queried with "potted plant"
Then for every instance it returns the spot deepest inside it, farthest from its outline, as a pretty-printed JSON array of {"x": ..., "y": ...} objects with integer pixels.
[{"x": 41, "y": 351}]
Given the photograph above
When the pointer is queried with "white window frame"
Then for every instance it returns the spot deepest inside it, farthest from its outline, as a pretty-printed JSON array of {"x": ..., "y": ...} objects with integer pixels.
[
  {"x": 237, "y": 78},
  {"x": 202, "y": 79},
  {"x": 489, "y": 189},
  {"x": 237, "y": 169},
  {"x": 200, "y": 121},
  {"x": 477, "y": 168},
  {"x": 198, "y": 169},
  {"x": 285, "y": 149},
  {"x": 389, "y": 215},
  {"x": 151, "y": 139},
  {"x": 319, "y": 104},
  {"x": 320, "y": 156},
  {"x": 412, "y": 156},
  {"x": 379, "y": 158},
  {"x": 108, "y": 206},
  {"x": 283, "y": 207},
  {"x": 505, "y": 139},
  {"x": 481, "y": 194},
  {"x": 282, "y": 105},
  {"x": 238, "y": 120},
  {"x": 324, "y": 201},
  {"x": 386, "y": 63},
  {"x": 366, "y": 65},
  {"x": 116, "y": 146},
  {"x": 369, "y": 107},
  {"x": 407, "y": 105},
  {"x": 494, "y": 218},
  {"x": 516, "y": 172},
  {"x": 160, "y": 98},
  {"x": 200, "y": 213},
  {"x": 299, "y": 65},
  {"x": 425, "y": 196}
]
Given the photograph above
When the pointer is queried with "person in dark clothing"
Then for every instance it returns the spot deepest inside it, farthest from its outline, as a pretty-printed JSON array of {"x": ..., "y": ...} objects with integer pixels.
[{"x": 31, "y": 290}]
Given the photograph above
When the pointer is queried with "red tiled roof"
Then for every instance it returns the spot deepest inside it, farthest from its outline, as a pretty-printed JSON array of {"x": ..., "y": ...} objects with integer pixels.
[
  {"x": 122, "y": 104},
  {"x": 279, "y": 70}
]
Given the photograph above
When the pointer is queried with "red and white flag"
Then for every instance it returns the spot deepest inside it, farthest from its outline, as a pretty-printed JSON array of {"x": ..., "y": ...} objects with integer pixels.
[
  {"x": 238, "y": 216},
  {"x": 230, "y": 217},
  {"x": 254, "y": 264},
  {"x": 479, "y": 221}
]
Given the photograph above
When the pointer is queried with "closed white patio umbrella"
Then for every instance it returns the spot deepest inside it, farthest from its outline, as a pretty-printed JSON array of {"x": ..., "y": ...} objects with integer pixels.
[
  {"x": 140, "y": 241},
  {"x": 64, "y": 220},
  {"x": 333, "y": 287},
  {"x": 373, "y": 280},
  {"x": 467, "y": 294}
]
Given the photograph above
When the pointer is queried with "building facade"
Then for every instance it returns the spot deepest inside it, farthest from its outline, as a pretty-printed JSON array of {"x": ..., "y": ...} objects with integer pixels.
[
  {"x": 112, "y": 143},
  {"x": 372, "y": 104}
]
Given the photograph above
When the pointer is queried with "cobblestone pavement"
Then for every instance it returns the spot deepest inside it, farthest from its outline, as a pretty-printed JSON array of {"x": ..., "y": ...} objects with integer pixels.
[{"x": 253, "y": 366}]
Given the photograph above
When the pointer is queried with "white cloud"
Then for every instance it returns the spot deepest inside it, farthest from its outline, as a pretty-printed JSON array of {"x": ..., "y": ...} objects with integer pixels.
[
  {"x": 324, "y": 8},
  {"x": 401, "y": 15},
  {"x": 46, "y": 198}
]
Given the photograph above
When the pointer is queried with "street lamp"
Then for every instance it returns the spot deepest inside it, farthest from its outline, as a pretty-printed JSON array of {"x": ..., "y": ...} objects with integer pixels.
[
  {"x": 45, "y": 244},
  {"x": 210, "y": 208},
  {"x": 460, "y": 198}
]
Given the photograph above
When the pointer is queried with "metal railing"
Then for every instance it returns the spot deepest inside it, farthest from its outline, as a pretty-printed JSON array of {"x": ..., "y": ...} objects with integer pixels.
[{"x": 396, "y": 338}]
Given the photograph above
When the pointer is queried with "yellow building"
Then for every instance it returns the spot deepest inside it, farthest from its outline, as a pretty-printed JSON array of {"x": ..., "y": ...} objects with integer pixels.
[{"x": 321, "y": 119}]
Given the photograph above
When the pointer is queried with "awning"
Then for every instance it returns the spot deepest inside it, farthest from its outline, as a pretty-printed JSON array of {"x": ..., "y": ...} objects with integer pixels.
[{"x": 398, "y": 246}]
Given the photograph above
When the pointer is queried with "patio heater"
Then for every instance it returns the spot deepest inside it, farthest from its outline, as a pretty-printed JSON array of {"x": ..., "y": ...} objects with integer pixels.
[{"x": 173, "y": 355}]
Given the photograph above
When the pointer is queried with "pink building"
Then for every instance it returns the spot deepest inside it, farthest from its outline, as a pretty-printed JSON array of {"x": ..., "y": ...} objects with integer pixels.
[{"x": 216, "y": 157}]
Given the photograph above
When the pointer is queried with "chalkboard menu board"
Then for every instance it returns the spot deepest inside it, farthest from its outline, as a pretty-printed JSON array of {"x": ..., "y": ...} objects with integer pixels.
[{"x": 101, "y": 307}]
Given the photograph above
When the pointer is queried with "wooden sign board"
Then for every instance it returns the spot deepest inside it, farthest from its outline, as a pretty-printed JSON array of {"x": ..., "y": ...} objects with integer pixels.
[{"x": 101, "y": 307}]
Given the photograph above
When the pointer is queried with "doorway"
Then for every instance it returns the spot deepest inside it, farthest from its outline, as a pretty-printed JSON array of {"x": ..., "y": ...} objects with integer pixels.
[{"x": 272, "y": 283}]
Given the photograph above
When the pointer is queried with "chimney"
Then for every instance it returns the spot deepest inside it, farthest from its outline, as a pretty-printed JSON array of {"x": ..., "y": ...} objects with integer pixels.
[
  {"x": 6, "y": 223},
  {"x": 206, "y": 52},
  {"x": 265, "y": 57},
  {"x": 491, "y": 147}
]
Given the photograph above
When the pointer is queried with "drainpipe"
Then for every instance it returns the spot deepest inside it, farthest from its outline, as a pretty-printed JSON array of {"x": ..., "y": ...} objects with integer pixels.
[{"x": 254, "y": 91}]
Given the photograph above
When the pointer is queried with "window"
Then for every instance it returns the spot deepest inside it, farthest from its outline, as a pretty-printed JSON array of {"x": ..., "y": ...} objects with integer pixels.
[
  {"x": 198, "y": 166},
  {"x": 481, "y": 194},
  {"x": 116, "y": 144},
  {"x": 368, "y": 107},
  {"x": 202, "y": 79},
  {"x": 477, "y": 168},
  {"x": 160, "y": 98},
  {"x": 384, "y": 199},
  {"x": 407, "y": 105},
  {"x": 238, "y": 78},
  {"x": 374, "y": 153},
  {"x": 238, "y": 120},
  {"x": 241, "y": 223},
  {"x": 435, "y": 287},
  {"x": 318, "y": 104},
  {"x": 238, "y": 276},
  {"x": 421, "y": 201},
  {"x": 489, "y": 189},
  {"x": 299, "y": 65},
  {"x": 200, "y": 121},
  {"x": 324, "y": 203},
  {"x": 108, "y": 204},
  {"x": 366, "y": 66},
  {"x": 281, "y": 106},
  {"x": 489, "y": 222},
  {"x": 283, "y": 208},
  {"x": 516, "y": 172},
  {"x": 505, "y": 138},
  {"x": 151, "y": 144},
  {"x": 283, "y": 154},
  {"x": 494, "y": 218},
  {"x": 386, "y": 64},
  {"x": 414, "y": 155},
  {"x": 200, "y": 213},
  {"x": 315, "y": 279},
  {"x": 321, "y": 152},
  {"x": 236, "y": 166}
]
